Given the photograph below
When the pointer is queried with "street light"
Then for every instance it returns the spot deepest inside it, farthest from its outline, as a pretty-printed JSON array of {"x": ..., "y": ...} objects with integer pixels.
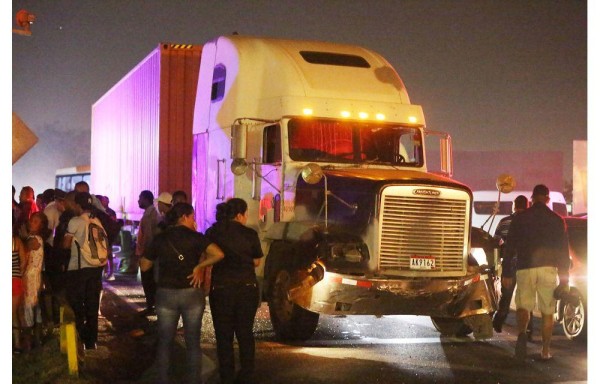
[{"x": 24, "y": 20}]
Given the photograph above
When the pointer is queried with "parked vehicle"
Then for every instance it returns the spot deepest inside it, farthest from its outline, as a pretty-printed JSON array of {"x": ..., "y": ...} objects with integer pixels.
[
  {"x": 66, "y": 178},
  {"x": 571, "y": 311},
  {"x": 484, "y": 203},
  {"x": 322, "y": 142}
]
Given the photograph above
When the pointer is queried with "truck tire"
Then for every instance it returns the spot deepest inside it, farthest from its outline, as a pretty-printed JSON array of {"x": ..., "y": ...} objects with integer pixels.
[
  {"x": 450, "y": 327},
  {"x": 290, "y": 321}
]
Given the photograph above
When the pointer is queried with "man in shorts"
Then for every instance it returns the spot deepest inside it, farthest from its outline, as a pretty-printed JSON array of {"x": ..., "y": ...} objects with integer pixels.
[{"x": 537, "y": 238}]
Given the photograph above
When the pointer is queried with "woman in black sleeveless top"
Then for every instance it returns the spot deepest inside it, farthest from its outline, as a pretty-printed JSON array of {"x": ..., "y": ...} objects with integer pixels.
[{"x": 234, "y": 294}]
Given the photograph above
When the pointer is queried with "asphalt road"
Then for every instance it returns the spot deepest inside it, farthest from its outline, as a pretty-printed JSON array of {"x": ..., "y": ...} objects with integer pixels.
[{"x": 390, "y": 349}]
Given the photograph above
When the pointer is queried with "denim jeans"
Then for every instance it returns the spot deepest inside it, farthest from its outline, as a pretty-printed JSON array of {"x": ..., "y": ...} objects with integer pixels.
[{"x": 170, "y": 304}]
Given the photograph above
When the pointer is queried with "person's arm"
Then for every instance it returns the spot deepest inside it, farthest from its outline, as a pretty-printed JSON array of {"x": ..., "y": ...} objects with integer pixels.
[
  {"x": 145, "y": 264},
  {"x": 257, "y": 252},
  {"x": 508, "y": 254},
  {"x": 147, "y": 260},
  {"x": 214, "y": 254},
  {"x": 564, "y": 260},
  {"x": 69, "y": 235},
  {"x": 23, "y": 259}
]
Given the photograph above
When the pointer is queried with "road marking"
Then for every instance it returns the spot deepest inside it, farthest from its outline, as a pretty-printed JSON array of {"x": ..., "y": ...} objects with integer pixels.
[{"x": 118, "y": 292}]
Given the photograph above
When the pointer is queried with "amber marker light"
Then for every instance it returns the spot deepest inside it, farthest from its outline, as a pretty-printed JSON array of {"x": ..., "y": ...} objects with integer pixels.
[
  {"x": 307, "y": 111},
  {"x": 412, "y": 119},
  {"x": 363, "y": 115},
  {"x": 380, "y": 116},
  {"x": 345, "y": 114}
]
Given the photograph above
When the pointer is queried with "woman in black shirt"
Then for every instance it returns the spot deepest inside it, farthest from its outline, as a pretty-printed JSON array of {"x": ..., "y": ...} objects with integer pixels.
[
  {"x": 177, "y": 251},
  {"x": 234, "y": 294}
]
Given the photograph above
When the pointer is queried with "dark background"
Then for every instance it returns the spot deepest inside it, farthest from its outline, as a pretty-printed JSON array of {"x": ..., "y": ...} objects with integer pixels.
[{"x": 496, "y": 75}]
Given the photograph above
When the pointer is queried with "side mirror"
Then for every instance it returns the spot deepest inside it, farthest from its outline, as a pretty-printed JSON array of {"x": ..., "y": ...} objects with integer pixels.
[
  {"x": 505, "y": 183},
  {"x": 312, "y": 173},
  {"x": 446, "y": 155},
  {"x": 239, "y": 137}
]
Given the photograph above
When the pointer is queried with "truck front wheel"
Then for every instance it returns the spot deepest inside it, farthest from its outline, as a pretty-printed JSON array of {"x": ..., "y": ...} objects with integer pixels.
[
  {"x": 290, "y": 321},
  {"x": 450, "y": 327}
]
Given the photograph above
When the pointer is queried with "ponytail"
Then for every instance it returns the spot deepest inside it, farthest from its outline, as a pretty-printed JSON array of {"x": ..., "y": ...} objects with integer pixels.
[{"x": 229, "y": 210}]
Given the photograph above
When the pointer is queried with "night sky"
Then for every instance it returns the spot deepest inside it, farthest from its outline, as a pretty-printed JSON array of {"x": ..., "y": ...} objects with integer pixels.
[{"x": 496, "y": 75}]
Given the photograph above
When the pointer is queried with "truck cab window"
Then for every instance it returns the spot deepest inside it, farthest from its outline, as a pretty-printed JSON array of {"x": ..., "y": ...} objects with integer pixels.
[
  {"x": 218, "y": 83},
  {"x": 272, "y": 144},
  {"x": 337, "y": 141}
]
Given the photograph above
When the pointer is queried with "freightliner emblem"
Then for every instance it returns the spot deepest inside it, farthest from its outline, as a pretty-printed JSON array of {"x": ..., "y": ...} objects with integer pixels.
[{"x": 426, "y": 192}]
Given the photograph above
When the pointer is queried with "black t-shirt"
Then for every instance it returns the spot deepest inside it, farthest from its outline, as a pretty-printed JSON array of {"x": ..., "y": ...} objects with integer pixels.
[
  {"x": 241, "y": 246},
  {"x": 166, "y": 249}
]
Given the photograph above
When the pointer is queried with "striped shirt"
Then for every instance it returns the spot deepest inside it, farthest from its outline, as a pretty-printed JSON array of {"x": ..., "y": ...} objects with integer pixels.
[{"x": 16, "y": 260}]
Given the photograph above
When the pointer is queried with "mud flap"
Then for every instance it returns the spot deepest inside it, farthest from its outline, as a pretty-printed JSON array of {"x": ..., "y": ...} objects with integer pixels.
[{"x": 481, "y": 326}]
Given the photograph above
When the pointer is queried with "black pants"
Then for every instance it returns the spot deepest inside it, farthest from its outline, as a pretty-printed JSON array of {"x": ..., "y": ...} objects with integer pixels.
[
  {"x": 82, "y": 289},
  {"x": 149, "y": 285},
  {"x": 233, "y": 308}
]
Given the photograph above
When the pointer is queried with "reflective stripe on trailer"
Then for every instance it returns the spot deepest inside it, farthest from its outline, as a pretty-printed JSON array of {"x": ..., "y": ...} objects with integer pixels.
[{"x": 358, "y": 283}]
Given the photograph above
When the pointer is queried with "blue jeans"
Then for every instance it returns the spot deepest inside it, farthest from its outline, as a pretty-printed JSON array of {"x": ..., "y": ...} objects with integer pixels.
[{"x": 170, "y": 304}]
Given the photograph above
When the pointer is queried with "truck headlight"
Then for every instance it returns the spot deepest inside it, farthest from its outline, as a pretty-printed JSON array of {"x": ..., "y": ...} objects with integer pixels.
[{"x": 351, "y": 252}]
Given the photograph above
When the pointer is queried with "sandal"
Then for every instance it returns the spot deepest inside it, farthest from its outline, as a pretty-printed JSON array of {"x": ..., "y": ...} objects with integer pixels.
[{"x": 545, "y": 357}]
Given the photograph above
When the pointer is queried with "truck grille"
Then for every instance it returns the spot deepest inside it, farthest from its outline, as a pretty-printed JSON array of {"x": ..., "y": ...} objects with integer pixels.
[{"x": 423, "y": 226}]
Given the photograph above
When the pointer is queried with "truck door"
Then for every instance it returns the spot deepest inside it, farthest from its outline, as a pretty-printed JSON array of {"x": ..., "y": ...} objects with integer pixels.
[{"x": 268, "y": 184}]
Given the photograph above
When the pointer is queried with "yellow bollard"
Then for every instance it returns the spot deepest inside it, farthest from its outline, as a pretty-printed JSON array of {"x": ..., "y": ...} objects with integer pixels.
[
  {"x": 63, "y": 333},
  {"x": 68, "y": 341},
  {"x": 71, "y": 342}
]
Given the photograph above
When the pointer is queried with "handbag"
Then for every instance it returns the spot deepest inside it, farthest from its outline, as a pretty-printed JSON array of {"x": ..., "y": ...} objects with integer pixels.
[{"x": 206, "y": 271}]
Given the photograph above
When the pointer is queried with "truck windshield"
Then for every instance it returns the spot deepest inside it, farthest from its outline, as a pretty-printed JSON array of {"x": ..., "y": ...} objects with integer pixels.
[{"x": 354, "y": 142}]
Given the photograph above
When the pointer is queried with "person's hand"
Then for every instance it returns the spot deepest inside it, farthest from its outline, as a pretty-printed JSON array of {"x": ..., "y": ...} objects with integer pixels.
[
  {"x": 562, "y": 290},
  {"x": 197, "y": 277},
  {"x": 33, "y": 244},
  {"x": 507, "y": 282}
]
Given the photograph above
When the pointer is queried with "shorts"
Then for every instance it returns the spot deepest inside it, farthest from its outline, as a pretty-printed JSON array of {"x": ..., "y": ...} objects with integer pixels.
[
  {"x": 539, "y": 283},
  {"x": 17, "y": 286}
]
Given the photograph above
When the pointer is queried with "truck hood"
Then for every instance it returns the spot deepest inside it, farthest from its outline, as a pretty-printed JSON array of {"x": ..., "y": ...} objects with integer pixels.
[{"x": 387, "y": 175}]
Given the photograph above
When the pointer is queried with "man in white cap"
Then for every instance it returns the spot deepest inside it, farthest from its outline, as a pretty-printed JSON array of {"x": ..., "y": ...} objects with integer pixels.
[{"x": 164, "y": 203}]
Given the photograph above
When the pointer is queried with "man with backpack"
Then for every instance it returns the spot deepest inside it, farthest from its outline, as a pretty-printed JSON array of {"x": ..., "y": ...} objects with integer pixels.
[{"x": 88, "y": 243}]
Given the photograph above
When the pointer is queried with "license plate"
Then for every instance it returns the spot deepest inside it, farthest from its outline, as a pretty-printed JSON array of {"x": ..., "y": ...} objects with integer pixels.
[{"x": 422, "y": 262}]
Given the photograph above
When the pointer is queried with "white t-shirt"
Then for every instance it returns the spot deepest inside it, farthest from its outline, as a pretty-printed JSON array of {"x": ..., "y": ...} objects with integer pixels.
[
  {"x": 77, "y": 227},
  {"x": 53, "y": 214}
]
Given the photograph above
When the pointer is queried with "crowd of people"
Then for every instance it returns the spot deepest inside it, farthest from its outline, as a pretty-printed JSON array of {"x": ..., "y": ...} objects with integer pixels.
[{"x": 179, "y": 267}]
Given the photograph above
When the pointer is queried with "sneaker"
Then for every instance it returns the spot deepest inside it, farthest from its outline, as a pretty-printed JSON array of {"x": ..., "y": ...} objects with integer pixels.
[
  {"x": 497, "y": 323},
  {"x": 521, "y": 347},
  {"x": 90, "y": 346}
]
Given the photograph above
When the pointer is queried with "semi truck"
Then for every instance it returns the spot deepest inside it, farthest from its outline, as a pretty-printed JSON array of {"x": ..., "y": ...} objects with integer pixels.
[{"x": 323, "y": 143}]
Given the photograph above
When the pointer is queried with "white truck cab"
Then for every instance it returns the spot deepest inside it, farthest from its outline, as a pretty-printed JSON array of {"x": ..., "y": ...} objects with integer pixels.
[{"x": 323, "y": 143}]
